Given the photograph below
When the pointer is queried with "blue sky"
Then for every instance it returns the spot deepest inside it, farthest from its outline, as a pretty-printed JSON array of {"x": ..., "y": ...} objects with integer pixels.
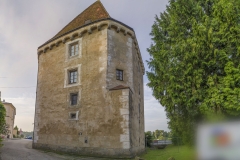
[{"x": 27, "y": 24}]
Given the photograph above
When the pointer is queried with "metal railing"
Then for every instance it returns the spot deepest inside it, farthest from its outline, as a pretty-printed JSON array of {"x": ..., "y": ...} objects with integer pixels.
[{"x": 161, "y": 142}]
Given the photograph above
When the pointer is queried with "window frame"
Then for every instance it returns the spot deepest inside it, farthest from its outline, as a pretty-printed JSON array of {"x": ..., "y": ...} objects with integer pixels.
[
  {"x": 71, "y": 99},
  {"x": 76, "y": 115},
  {"x": 68, "y": 49},
  {"x": 118, "y": 75},
  {"x": 67, "y": 76},
  {"x": 75, "y": 52},
  {"x": 73, "y": 115},
  {"x": 75, "y": 76}
]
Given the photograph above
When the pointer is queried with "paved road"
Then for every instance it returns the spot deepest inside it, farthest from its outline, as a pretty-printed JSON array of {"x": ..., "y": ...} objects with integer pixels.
[{"x": 21, "y": 149}]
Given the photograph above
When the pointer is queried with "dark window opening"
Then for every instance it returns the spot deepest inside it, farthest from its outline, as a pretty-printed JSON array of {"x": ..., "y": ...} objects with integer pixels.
[
  {"x": 86, "y": 140},
  {"x": 139, "y": 111},
  {"x": 119, "y": 74},
  {"x": 74, "y": 99},
  {"x": 139, "y": 108},
  {"x": 139, "y": 88},
  {"x": 72, "y": 77},
  {"x": 73, "y": 115}
]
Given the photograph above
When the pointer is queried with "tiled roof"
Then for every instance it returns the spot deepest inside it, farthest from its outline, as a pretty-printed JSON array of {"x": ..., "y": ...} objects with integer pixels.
[
  {"x": 119, "y": 87},
  {"x": 93, "y": 13},
  {"x": 6, "y": 102}
]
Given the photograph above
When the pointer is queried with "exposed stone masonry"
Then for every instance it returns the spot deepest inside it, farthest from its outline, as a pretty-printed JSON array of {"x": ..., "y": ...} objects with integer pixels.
[{"x": 108, "y": 118}]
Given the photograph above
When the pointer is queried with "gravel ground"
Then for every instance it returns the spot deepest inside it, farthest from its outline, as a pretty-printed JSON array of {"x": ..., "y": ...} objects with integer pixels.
[{"x": 21, "y": 149}]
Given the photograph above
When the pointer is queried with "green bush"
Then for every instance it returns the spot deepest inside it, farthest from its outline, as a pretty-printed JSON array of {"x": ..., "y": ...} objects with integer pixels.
[{"x": 2, "y": 121}]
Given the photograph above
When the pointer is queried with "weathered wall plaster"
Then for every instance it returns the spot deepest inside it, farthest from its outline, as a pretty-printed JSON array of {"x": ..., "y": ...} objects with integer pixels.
[{"x": 107, "y": 125}]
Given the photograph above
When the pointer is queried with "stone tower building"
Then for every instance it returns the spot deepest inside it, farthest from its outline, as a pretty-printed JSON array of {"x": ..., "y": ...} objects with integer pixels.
[{"x": 90, "y": 88}]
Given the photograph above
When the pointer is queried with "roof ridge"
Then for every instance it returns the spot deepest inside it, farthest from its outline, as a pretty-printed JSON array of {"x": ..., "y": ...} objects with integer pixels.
[
  {"x": 103, "y": 7},
  {"x": 83, "y": 16}
]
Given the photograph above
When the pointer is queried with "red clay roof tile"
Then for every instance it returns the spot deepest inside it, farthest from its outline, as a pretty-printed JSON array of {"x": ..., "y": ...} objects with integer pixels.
[{"x": 93, "y": 13}]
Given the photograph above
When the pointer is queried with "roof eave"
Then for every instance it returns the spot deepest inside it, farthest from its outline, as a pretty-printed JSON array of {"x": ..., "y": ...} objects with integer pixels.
[{"x": 54, "y": 38}]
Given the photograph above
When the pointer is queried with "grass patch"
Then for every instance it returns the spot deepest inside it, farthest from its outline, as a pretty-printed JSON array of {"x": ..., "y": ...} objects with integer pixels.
[{"x": 179, "y": 153}]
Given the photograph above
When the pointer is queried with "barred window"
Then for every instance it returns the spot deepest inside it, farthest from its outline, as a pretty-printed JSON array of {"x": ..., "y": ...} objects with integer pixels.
[
  {"x": 73, "y": 49},
  {"x": 119, "y": 74},
  {"x": 74, "y": 98},
  {"x": 72, "y": 76}
]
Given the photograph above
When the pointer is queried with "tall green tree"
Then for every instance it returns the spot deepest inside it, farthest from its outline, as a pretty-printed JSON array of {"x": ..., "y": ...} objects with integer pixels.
[
  {"x": 2, "y": 116},
  {"x": 148, "y": 138},
  {"x": 16, "y": 128},
  {"x": 195, "y": 71},
  {"x": 158, "y": 133},
  {"x": 2, "y": 120}
]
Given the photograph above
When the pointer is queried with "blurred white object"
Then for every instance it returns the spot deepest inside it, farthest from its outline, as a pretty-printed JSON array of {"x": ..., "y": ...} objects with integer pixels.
[{"x": 219, "y": 141}]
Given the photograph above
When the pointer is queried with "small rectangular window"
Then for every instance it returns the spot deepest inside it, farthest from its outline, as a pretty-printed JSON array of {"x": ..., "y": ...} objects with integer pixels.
[
  {"x": 73, "y": 49},
  {"x": 73, "y": 115},
  {"x": 72, "y": 76},
  {"x": 74, "y": 98},
  {"x": 139, "y": 109},
  {"x": 139, "y": 88},
  {"x": 119, "y": 74},
  {"x": 86, "y": 140}
]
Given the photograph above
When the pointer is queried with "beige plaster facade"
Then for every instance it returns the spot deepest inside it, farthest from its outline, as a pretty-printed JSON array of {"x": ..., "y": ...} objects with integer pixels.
[
  {"x": 15, "y": 132},
  {"x": 10, "y": 117},
  {"x": 108, "y": 117}
]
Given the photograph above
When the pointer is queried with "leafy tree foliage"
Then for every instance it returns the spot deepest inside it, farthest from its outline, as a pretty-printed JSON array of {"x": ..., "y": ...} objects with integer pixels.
[
  {"x": 2, "y": 120},
  {"x": 2, "y": 115},
  {"x": 158, "y": 133},
  {"x": 149, "y": 138},
  {"x": 16, "y": 128},
  {"x": 195, "y": 71},
  {"x": 5, "y": 129}
]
